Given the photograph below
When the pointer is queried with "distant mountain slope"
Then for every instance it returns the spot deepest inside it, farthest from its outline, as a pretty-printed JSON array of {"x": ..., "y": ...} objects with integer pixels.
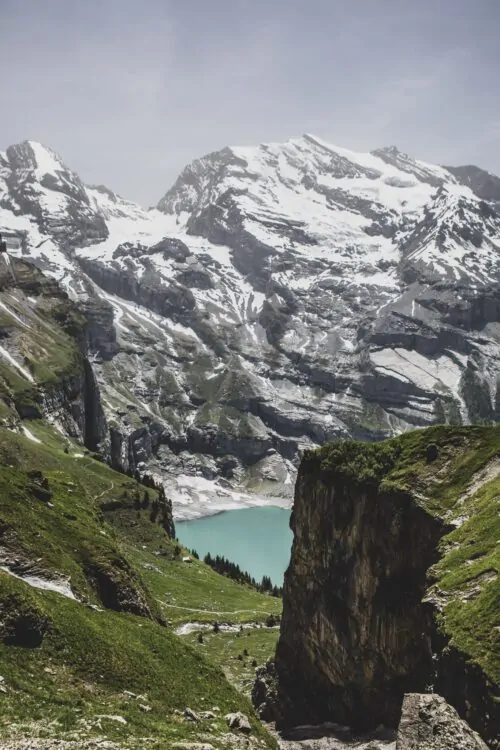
[
  {"x": 278, "y": 296},
  {"x": 484, "y": 184}
]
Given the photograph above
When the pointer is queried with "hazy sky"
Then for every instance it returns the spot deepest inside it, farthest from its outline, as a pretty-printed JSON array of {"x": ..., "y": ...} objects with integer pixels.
[{"x": 129, "y": 91}]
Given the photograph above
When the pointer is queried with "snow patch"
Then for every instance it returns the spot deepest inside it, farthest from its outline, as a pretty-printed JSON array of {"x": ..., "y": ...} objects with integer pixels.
[
  {"x": 46, "y": 159},
  {"x": 8, "y": 356},
  {"x": 196, "y": 497},
  {"x": 13, "y": 314},
  {"x": 424, "y": 372},
  {"x": 29, "y": 434},
  {"x": 60, "y": 586}
]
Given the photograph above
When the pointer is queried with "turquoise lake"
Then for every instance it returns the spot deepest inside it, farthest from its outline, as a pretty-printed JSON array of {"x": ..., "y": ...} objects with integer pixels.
[{"x": 258, "y": 539}]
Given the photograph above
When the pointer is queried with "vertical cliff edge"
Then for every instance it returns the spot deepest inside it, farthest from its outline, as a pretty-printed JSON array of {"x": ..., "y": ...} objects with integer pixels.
[{"x": 393, "y": 584}]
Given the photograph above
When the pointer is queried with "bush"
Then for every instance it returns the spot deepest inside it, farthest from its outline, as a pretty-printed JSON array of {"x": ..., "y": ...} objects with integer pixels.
[
  {"x": 353, "y": 460},
  {"x": 432, "y": 452},
  {"x": 22, "y": 622}
]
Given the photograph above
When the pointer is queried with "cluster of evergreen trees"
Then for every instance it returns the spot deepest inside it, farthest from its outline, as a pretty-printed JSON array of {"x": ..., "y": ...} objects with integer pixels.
[
  {"x": 160, "y": 508},
  {"x": 230, "y": 569}
]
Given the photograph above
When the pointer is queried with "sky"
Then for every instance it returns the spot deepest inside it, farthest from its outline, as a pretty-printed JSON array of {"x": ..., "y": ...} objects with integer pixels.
[{"x": 130, "y": 91}]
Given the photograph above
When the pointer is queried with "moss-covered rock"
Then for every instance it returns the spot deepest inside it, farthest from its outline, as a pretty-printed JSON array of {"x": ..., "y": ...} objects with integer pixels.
[{"x": 23, "y": 621}]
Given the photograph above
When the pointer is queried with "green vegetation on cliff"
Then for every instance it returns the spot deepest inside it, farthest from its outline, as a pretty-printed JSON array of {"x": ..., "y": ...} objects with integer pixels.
[
  {"x": 105, "y": 674},
  {"x": 453, "y": 473}
]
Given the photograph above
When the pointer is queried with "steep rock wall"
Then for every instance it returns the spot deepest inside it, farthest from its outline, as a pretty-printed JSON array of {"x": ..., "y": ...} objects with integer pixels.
[
  {"x": 47, "y": 338},
  {"x": 355, "y": 632},
  {"x": 369, "y": 613}
]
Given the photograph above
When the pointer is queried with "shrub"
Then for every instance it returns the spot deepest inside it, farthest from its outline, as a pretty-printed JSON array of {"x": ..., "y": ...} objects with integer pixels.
[{"x": 432, "y": 452}]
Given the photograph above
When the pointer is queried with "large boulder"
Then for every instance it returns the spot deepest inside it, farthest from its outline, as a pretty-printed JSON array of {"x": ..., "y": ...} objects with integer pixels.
[
  {"x": 428, "y": 722},
  {"x": 238, "y": 721}
]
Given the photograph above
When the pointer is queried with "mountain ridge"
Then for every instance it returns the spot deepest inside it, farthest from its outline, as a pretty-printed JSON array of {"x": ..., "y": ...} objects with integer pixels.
[{"x": 276, "y": 297}]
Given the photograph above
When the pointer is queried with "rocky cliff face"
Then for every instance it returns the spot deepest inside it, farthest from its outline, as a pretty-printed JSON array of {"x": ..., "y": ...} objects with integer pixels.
[
  {"x": 44, "y": 369},
  {"x": 277, "y": 297},
  {"x": 393, "y": 584}
]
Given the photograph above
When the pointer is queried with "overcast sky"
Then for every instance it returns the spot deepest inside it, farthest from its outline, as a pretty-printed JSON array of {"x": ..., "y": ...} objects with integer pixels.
[{"x": 129, "y": 91}]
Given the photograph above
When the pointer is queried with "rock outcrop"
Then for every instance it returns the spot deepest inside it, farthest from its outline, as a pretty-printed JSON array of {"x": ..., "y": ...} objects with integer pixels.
[
  {"x": 393, "y": 584},
  {"x": 429, "y": 723},
  {"x": 45, "y": 370}
]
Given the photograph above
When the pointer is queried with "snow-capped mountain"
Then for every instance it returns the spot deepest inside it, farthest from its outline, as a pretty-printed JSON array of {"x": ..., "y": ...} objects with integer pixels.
[{"x": 276, "y": 297}]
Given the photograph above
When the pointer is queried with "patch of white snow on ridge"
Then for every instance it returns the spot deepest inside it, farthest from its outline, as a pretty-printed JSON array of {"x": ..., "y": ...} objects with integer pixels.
[
  {"x": 140, "y": 228},
  {"x": 424, "y": 372},
  {"x": 60, "y": 585},
  {"x": 46, "y": 159},
  {"x": 8, "y": 356},
  {"x": 29, "y": 434}
]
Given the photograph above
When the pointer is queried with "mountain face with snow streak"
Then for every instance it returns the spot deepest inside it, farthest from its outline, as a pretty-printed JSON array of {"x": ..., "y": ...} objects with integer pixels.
[{"x": 277, "y": 297}]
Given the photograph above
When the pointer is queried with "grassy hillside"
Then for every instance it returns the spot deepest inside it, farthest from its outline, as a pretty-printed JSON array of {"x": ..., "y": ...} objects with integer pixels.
[
  {"x": 103, "y": 664},
  {"x": 237, "y": 651}
]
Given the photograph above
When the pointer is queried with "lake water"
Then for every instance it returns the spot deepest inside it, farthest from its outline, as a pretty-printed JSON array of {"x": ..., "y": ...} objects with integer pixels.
[{"x": 258, "y": 539}]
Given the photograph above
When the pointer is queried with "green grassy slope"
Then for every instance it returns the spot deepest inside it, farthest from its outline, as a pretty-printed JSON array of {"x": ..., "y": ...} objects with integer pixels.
[
  {"x": 237, "y": 652},
  {"x": 66, "y": 663}
]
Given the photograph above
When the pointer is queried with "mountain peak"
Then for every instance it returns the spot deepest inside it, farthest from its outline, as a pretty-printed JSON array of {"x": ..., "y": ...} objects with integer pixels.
[
  {"x": 33, "y": 156},
  {"x": 390, "y": 150},
  {"x": 283, "y": 294}
]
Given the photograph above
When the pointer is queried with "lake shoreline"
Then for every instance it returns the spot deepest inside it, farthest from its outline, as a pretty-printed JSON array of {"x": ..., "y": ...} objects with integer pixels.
[
  {"x": 256, "y": 538},
  {"x": 196, "y": 497}
]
